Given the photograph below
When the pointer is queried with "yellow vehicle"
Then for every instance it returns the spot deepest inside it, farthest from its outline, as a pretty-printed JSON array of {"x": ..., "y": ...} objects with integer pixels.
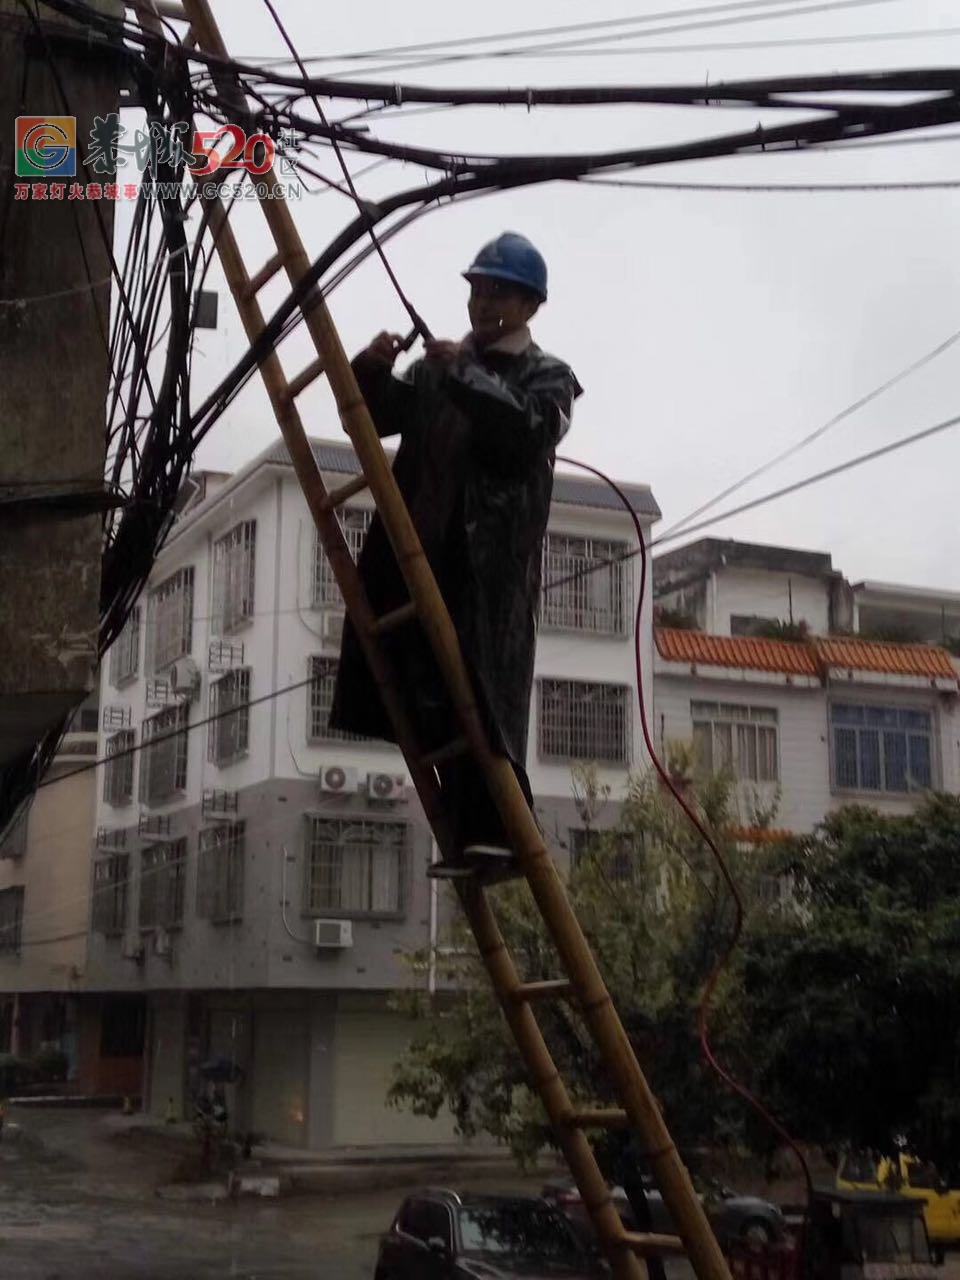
[{"x": 918, "y": 1179}]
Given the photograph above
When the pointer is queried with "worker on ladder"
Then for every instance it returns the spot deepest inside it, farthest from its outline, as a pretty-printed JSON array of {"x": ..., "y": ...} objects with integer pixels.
[{"x": 479, "y": 421}]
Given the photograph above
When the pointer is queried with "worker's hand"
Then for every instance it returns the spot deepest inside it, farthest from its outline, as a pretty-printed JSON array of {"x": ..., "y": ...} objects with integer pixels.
[
  {"x": 441, "y": 350},
  {"x": 383, "y": 350}
]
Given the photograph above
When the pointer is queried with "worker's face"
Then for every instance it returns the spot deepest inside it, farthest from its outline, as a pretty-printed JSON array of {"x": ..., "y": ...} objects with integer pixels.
[{"x": 497, "y": 308}]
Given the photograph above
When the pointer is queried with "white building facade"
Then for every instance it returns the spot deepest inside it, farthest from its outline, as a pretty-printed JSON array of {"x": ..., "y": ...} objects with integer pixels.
[
  {"x": 807, "y": 724},
  {"x": 260, "y": 881}
]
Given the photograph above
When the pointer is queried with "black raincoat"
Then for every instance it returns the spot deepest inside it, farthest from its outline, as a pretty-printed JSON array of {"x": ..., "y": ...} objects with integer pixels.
[{"x": 475, "y": 467}]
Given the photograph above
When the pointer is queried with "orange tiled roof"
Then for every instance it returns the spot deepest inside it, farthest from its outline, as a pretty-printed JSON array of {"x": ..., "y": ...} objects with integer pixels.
[
  {"x": 787, "y": 657},
  {"x": 879, "y": 655},
  {"x": 760, "y": 835},
  {"x": 805, "y": 658}
]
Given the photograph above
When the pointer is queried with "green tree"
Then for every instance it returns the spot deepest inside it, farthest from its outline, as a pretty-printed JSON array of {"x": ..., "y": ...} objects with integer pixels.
[
  {"x": 853, "y": 998},
  {"x": 649, "y": 897}
]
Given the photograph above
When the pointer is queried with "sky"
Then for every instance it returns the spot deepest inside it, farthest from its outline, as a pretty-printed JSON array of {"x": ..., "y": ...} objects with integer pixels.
[{"x": 709, "y": 329}]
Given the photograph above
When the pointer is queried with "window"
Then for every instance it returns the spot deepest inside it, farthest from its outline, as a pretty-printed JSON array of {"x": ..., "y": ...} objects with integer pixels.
[
  {"x": 229, "y": 737},
  {"x": 585, "y": 598},
  {"x": 13, "y": 840},
  {"x": 163, "y": 762},
  {"x": 426, "y": 1220},
  {"x": 584, "y": 721},
  {"x": 233, "y": 576},
  {"x": 220, "y": 873},
  {"x": 511, "y": 1228},
  {"x": 752, "y": 624},
  {"x": 86, "y": 718},
  {"x": 620, "y": 863},
  {"x": 11, "y": 921},
  {"x": 118, "y": 773},
  {"x": 171, "y": 619},
  {"x": 881, "y": 748},
  {"x": 163, "y": 873},
  {"x": 354, "y": 521},
  {"x": 323, "y": 679},
  {"x": 125, "y": 653},
  {"x": 110, "y": 879},
  {"x": 743, "y": 739},
  {"x": 355, "y": 867}
]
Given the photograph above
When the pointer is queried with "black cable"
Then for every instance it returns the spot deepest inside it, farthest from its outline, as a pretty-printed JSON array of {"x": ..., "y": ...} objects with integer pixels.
[
  {"x": 569, "y": 28},
  {"x": 174, "y": 733},
  {"x": 745, "y": 46},
  {"x": 416, "y": 319},
  {"x": 789, "y": 9},
  {"x": 857, "y": 461},
  {"x": 519, "y": 173},
  {"x": 771, "y": 188},
  {"x": 811, "y": 436}
]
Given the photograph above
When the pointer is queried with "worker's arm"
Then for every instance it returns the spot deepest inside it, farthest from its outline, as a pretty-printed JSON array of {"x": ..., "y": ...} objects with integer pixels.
[
  {"x": 515, "y": 425},
  {"x": 392, "y": 401}
]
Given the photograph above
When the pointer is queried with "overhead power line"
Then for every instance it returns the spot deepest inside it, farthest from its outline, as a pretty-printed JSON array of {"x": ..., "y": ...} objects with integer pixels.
[
  {"x": 746, "y": 46},
  {"x": 921, "y": 362},
  {"x": 771, "y": 188},
  {"x": 174, "y": 733},
  {"x": 857, "y": 461},
  {"x": 709, "y": 10},
  {"x": 792, "y": 10}
]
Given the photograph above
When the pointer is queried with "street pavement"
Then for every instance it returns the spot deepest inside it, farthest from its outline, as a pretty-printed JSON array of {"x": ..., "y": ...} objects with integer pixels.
[{"x": 77, "y": 1203}]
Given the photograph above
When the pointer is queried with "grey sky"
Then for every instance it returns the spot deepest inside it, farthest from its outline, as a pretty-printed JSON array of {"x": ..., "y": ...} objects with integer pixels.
[{"x": 709, "y": 330}]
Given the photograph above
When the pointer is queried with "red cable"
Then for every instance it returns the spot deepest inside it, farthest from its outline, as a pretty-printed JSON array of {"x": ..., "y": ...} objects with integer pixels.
[{"x": 709, "y": 987}]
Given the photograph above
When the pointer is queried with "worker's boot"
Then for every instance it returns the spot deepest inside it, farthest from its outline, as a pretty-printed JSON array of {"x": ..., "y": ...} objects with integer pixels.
[{"x": 485, "y": 864}]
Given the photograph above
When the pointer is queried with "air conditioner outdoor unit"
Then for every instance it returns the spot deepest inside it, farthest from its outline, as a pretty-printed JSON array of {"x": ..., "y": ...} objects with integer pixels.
[
  {"x": 335, "y": 778},
  {"x": 185, "y": 678},
  {"x": 386, "y": 786},
  {"x": 332, "y": 935}
]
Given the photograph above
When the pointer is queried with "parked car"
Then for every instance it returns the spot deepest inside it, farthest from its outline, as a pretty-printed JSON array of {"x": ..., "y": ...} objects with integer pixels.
[
  {"x": 440, "y": 1235},
  {"x": 734, "y": 1218}
]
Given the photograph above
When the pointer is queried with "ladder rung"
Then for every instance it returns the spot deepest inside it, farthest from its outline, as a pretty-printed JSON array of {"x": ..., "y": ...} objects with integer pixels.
[
  {"x": 458, "y": 747},
  {"x": 545, "y": 990},
  {"x": 303, "y": 380},
  {"x": 337, "y": 497},
  {"x": 395, "y": 618},
  {"x": 647, "y": 1242},
  {"x": 266, "y": 273},
  {"x": 596, "y": 1119}
]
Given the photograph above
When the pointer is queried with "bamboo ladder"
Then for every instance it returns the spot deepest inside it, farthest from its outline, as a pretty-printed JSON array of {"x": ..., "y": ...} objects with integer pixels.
[{"x": 583, "y": 984}]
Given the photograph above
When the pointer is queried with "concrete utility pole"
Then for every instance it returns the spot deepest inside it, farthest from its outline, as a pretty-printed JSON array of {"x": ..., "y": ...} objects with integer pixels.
[{"x": 53, "y": 377}]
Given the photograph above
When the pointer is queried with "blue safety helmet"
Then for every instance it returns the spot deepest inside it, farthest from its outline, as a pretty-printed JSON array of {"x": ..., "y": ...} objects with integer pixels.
[{"x": 511, "y": 257}]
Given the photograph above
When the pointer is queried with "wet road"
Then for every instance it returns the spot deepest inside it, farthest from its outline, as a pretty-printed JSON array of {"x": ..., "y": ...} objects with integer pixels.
[
  {"x": 74, "y": 1204},
  {"x": 78, "y": 1201}
]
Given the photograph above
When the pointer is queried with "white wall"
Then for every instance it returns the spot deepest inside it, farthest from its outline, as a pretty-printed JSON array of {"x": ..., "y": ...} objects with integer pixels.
[
  {"x": 193, "y": 547},
  {"x": 804, "y": 763},
  {"x": 804, "y": 746},
  {"x": 571, "y": 655},
  {"x": 767, "y": 594},
  {"x": 298, "y": 635}
]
